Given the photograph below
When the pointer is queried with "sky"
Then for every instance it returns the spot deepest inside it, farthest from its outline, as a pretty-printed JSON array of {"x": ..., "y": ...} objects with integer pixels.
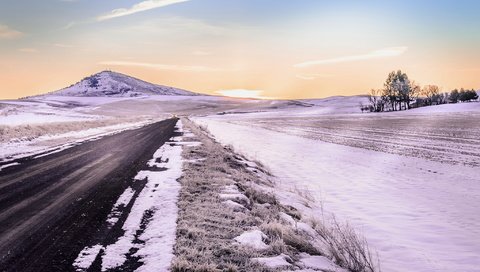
[{"x": 263, "y": 48}]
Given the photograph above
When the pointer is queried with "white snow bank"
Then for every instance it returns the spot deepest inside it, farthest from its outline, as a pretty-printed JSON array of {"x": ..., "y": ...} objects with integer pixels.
[
  {"x": 237, "y": 197},
  {"x": 319, "y": 263},
  {"x": 8, "y": 165},
  {"x": 274, "y": 262},
  {"x": 22, "y": 148},
  {"x": 234, "y": 205},
  {"x": 253, "y": 239}
]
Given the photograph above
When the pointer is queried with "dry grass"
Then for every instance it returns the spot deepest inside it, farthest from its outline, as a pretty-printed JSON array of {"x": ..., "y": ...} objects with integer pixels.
[
  {"x": 206, "y": 227},
  {"x": 32, "y": 131},
  {"x": 348, "y": 248}
]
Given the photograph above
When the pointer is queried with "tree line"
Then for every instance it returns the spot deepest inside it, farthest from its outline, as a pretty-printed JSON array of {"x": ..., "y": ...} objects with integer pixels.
[{"x": 400, "y": 93}]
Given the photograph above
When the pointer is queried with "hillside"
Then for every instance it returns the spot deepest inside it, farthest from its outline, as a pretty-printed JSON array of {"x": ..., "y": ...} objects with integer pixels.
[{"x": 113, "y": 84}]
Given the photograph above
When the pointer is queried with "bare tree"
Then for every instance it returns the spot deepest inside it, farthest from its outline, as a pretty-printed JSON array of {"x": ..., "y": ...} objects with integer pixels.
[
  {"x": 430, "y": 92},
  {"x": 376, "y": 101},
  {"x": 413, "y": 95}
]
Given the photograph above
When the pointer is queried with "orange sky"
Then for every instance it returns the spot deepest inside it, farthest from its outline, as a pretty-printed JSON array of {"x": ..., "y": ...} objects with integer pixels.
[{"x": 301, "y": 50}]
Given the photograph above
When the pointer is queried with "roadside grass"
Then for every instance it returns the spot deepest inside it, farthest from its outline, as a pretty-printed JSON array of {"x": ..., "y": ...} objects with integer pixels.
[
  {"x": 29, "y": 132},
  {"x": 348, "y": 248},
  {"x": 206, "y": 226}
]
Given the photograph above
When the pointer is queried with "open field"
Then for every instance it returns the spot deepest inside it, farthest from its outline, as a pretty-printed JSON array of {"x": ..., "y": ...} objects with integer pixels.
[
  {"x": 447, "y": 138},
  {"x": 408, "y": 182}
]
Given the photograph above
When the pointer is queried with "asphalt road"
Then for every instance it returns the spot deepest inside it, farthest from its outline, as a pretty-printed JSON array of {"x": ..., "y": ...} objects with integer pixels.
[{"x": 52, "y": 206}]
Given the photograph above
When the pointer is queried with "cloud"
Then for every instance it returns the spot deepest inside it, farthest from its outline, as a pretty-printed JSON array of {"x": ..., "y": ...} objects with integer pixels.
[
  {"x": 381, "y": 53},
  {"x": 157, "y": 66},
  {"x": 28, "y": 50},
  {"x": 142, "y": 6},
  {"x": 243, "y": 93},
  {"x": 8, "y": 33},
  {"x": 62, "y": 45},
  {"x": 176, "y": 27},
  {"x": 312, "y": 76}
]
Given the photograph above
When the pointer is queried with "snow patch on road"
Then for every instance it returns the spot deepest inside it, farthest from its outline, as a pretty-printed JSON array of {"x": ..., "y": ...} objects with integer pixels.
[
  {"x": 122, "y": 201},
  {"x": 86, "y": 257}
]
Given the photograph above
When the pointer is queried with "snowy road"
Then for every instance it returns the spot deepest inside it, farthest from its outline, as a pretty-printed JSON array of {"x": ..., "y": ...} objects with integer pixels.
[{"x": 51, "y": 206}]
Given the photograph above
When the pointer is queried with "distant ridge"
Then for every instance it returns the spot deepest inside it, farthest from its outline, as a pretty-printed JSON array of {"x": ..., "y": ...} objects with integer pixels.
[{"x": 113, "y": 84}]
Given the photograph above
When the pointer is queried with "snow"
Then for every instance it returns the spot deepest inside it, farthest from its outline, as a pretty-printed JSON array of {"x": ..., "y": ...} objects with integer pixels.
[
  {"x": 159, "y": 196},
  {"x": 319, "y": 263},
  {"x": 287, "y": 218},
  {"x": 274, "y": 262},
  {"x": 19, "y": 148},
  {"x": 114, "y": 84},
  {"x": 34, "y": 118},
  {"x": 122, "y": 201},
  {"x": 86, "y": 257},
  {"x": 420, "y": 215},
  {"x": 253, "y": 239},
  {"x": 8, "y": 165},
  {"x": 27, "y": 112},
  {"x": 237, "y": 197},
  {"x": 445, "y": 108},
  {"x": 234, "y": 205}
]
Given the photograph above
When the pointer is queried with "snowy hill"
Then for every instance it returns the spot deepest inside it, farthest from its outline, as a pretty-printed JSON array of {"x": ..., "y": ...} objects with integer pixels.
[{"x": 112, "y": 84}]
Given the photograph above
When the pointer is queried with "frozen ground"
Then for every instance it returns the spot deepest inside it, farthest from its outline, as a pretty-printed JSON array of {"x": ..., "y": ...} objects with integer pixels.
[{"x": 408, "y": 181}]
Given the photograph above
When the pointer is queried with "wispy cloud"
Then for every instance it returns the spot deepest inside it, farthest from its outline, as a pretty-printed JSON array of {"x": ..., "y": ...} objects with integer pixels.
[
  {"x": 158, "y": 66},
  {"x": 381, "y": 53},
  {"x": 28, "y": 50},
  {"x": 8, "y": 33},
  {"x": 62, "y": 45},
  {"x": 312, "y": 76},
  {"x": 142, "y": 6},
  {"x": 174, "y": 26}
]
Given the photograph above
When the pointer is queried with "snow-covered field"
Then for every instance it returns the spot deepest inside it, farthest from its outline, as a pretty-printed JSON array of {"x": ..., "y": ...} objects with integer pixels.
[{"x": 418, "y": 208}]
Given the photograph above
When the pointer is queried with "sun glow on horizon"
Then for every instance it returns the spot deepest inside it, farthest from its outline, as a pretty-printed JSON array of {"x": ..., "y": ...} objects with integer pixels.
[{"x": 243, "y": 93}]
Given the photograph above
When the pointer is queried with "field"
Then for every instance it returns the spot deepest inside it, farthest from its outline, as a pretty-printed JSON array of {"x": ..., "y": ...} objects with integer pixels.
[
  {"x": 294, "y": 177},
  {"x": 408, "y": 181}
]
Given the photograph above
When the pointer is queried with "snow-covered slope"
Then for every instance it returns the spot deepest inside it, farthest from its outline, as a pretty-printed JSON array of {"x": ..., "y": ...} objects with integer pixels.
[{"x": 112, "y": 84}]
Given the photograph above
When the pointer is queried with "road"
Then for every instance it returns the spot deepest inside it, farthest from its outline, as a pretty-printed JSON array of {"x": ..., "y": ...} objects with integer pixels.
[{"x": 52, "y": 206}]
